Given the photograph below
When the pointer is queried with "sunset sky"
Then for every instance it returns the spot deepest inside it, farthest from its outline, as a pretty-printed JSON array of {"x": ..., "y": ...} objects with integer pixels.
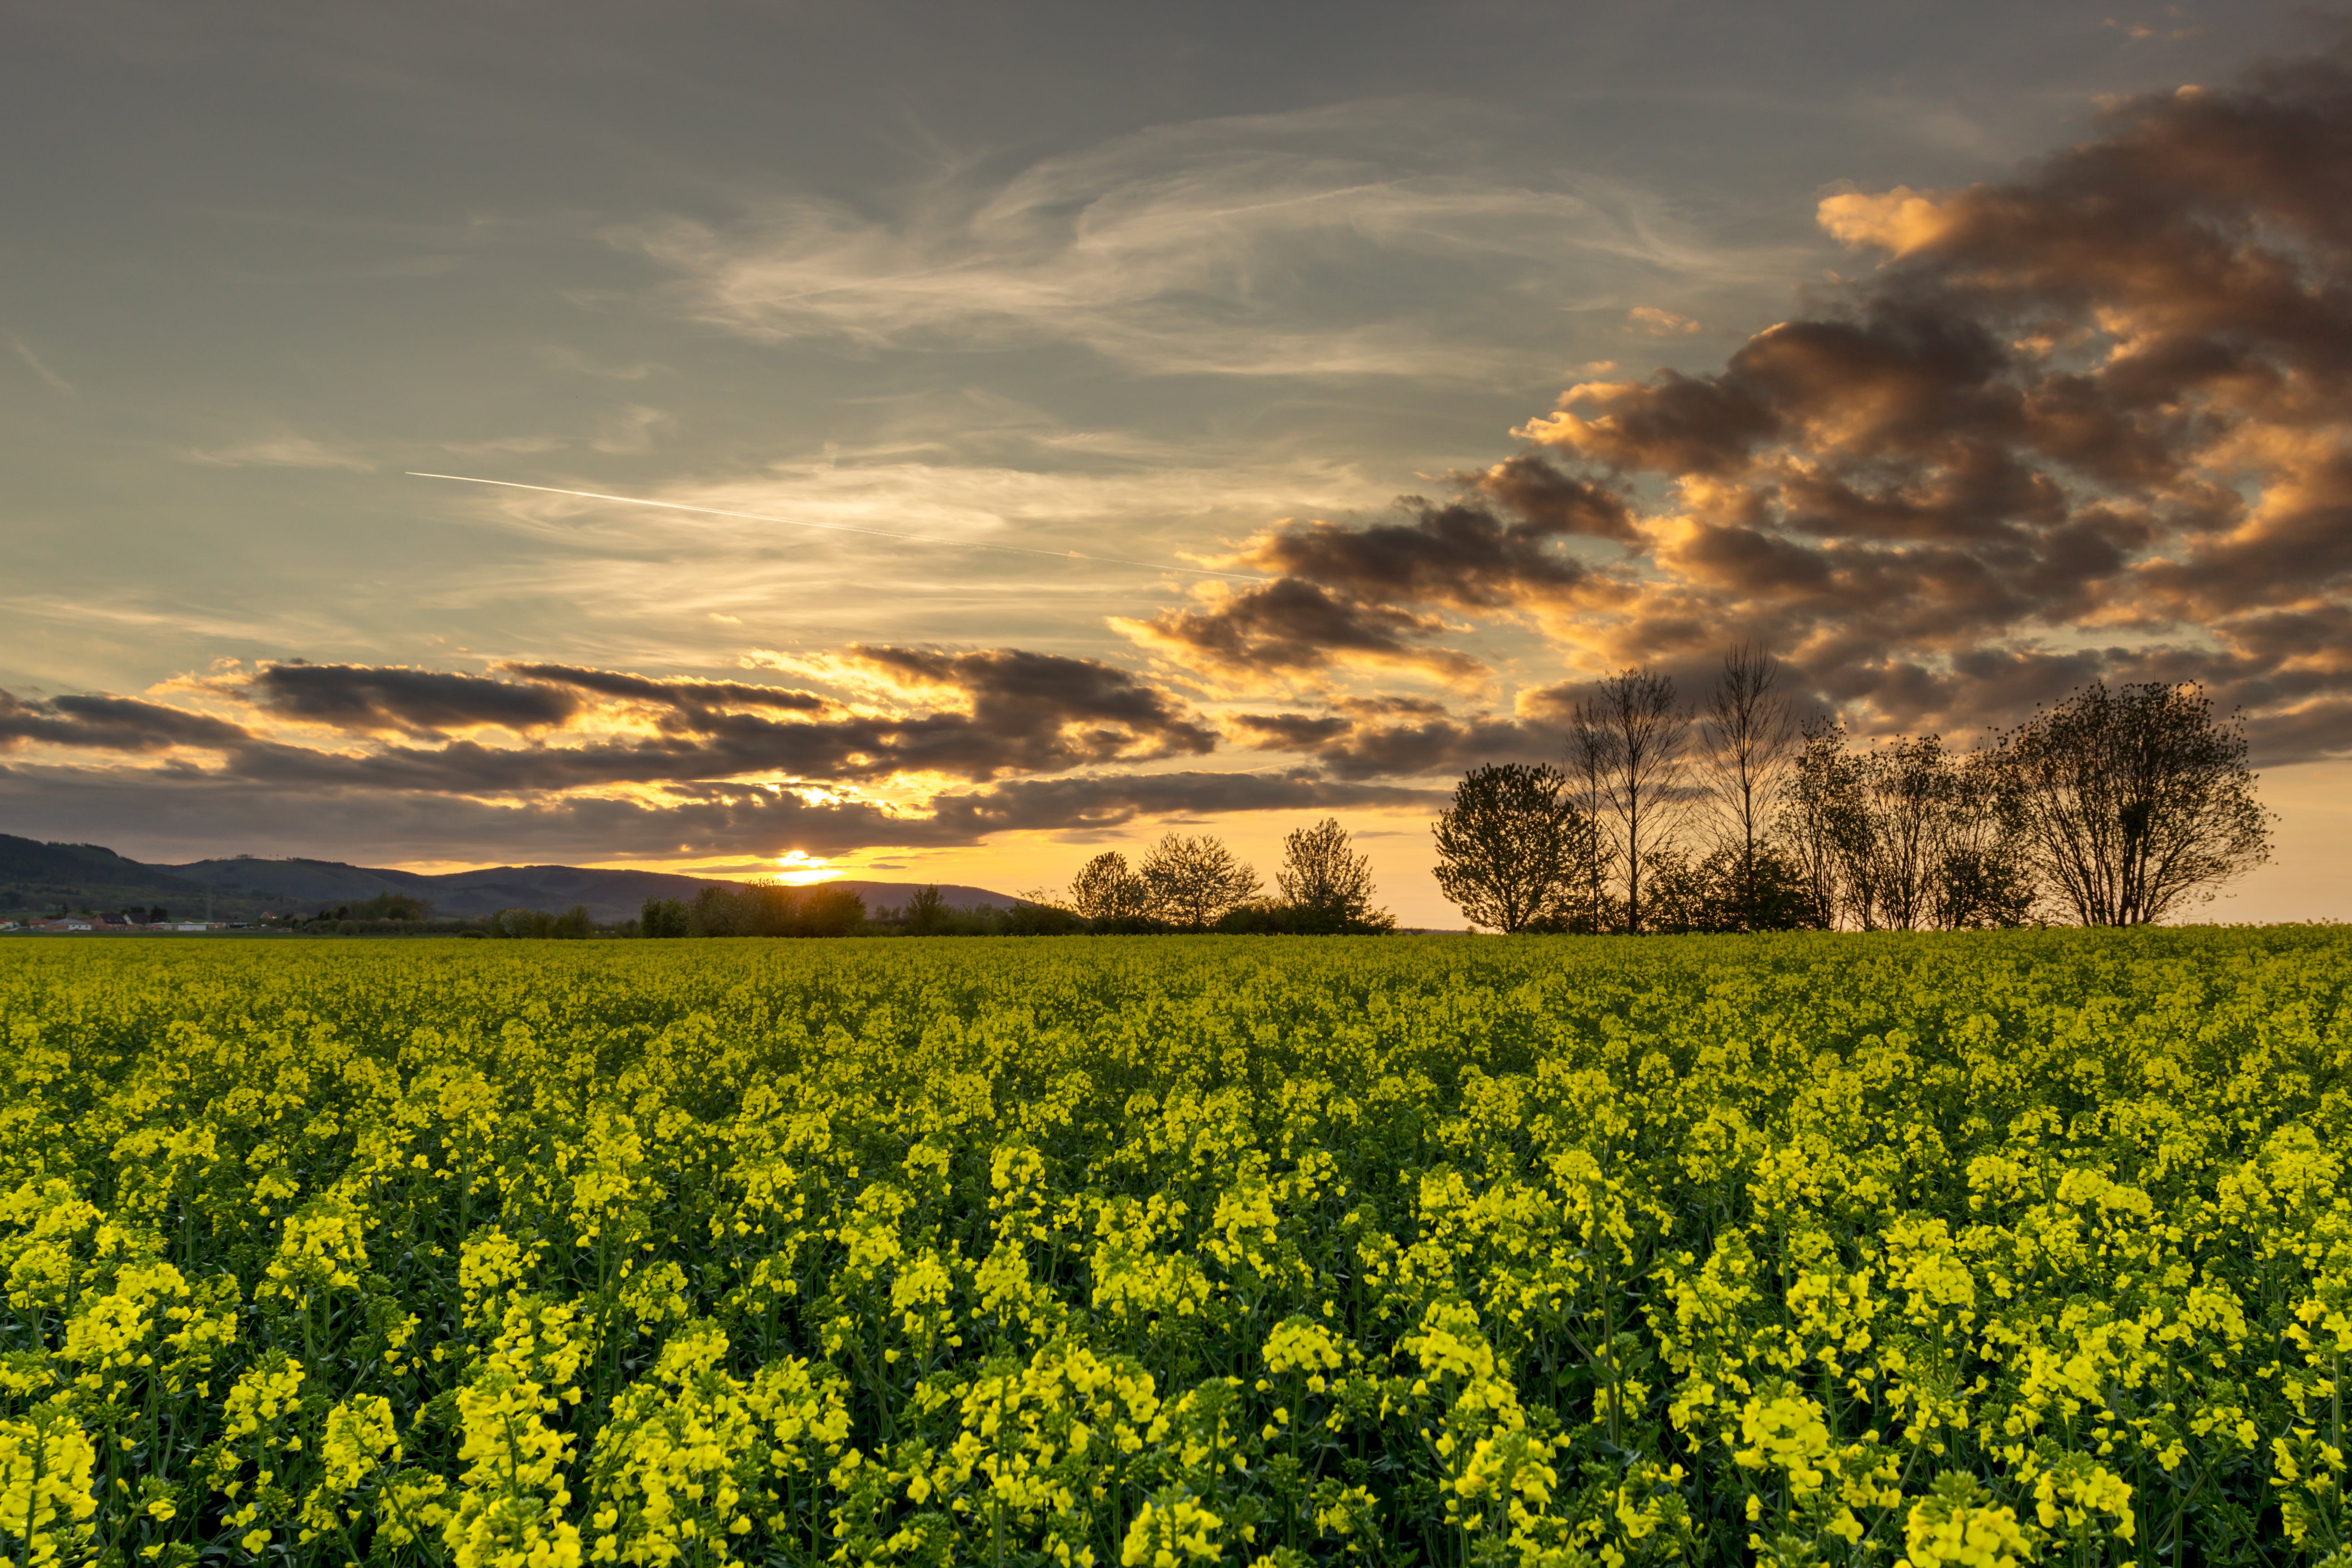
[{"x": 1111, "y": 418}]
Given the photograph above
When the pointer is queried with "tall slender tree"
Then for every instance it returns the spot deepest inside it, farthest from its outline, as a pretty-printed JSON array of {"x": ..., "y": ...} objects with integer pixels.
[
  {"x": 1818, "y": 806},
  {"x": 1747, "y": 741},
  {"x": 1631, "y": 736}
]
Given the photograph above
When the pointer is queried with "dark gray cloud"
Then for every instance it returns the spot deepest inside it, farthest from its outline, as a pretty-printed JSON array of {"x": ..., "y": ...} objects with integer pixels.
[
  {"x": 184, "y": 814},
  {"x": 1293, "y": 626},
  {"x": 1364, "y": 746},
  {"x": 1361, "y": 591},
  {"x": 1072, "y": 804},
  {"x": 688, "y": 699},
  {"x": 974, "y": 715},
  {"x": 2092, "y": 421},
  {"x": 100, "y": 722},
  {"x": 375, "y": 699}
]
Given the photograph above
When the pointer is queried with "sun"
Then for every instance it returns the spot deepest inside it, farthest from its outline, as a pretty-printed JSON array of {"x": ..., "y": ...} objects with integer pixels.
[{"x": 799, "y": 867}]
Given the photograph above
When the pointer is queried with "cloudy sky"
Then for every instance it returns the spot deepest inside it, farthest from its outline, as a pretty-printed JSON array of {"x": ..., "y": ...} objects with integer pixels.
[{"x": 1075, "y": 421}]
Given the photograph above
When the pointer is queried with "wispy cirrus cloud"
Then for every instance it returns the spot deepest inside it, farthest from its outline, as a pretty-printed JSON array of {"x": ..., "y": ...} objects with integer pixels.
[
  {"x": 1349, "y": 240},
  {"x": 50, "y": 378},
  {"x": 281, "y": 451}
]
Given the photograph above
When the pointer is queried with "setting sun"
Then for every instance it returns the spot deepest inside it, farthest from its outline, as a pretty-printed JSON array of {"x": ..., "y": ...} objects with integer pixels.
[{"x": 799, "y": 868}]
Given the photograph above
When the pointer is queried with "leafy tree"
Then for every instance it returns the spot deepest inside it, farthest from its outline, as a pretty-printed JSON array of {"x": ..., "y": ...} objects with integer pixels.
[
  {"x": 2136, "y": 800},
  {"x": 663, "y": 918},
  {"x": 1040, "y": 917},
  {"x": 1325, "y": 884},
  {"x": 1907, "y": 836},
  {"x": 1815, "y": 808},
  {"x": 1732, "y": 889},
  {"x": 1630, "y": 737},
  {"x": 926, "y": 913},
  {"x": 1193, "y": 882},
  {"x": 827, "y": 911},
  {"x": 390, "y": 906},
  {"x": 1106, "y": 895},
  {"x": 1514, "y": 850}
]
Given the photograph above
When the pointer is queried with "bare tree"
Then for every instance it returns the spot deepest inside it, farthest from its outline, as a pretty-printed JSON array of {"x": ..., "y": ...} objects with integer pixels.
[
  {"x": 1892, "y": 855},
  {"x": 1194, "y": 882},
  {"x": 1324, "y": 879},
  {"x": 1631, "y": 738},
  {"x": 1907, "y": 836},
  {"x": 1106, "y": 892},
  {"x": 1514, "y": 850},
  {"x": 1818, "y": 804},
  {"x": 2136, "y": 800},
  {"x": 1748, "y": 744}
]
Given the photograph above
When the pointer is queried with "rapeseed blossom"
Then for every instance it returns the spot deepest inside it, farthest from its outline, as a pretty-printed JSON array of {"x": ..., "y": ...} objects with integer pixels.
[{"x": 1989, "y": 1250}]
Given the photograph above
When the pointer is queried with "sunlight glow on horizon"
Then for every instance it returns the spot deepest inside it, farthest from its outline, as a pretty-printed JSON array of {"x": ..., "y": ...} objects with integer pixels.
[{"x": 799, "y": 868}]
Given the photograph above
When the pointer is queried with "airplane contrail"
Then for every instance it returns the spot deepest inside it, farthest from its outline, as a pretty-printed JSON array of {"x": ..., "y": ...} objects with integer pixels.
[{"x": 846, "y": 528}]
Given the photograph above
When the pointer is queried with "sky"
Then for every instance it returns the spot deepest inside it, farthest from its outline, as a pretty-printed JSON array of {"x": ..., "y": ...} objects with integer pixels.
[{"x": 1072, "y": 424}]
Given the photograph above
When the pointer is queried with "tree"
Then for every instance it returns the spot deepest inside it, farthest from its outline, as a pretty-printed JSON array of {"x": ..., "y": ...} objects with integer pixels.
[
  {"x": 926, "y": 913},
  {"x": 2135, "y": 801},
  {"x": 1904, "y": 837},
  {"x": 1747, "y": 743},
  {"x": 1729, "y": 890},
  {"x": 389, "y": 906},
  {"x": 1107, "y": 894},
  {"x": 1892, "y": 846},
  {"x": 1821, "y": 794},
  {"x": 1193, "y": 882},
  {"x": 1629, "y": 739},
  {"x": 1326, "y": 885},
  {"x": 662, "y": 918},
  {"x": 1514, "y": 850},
  {"x": 1984, "y": 874}
]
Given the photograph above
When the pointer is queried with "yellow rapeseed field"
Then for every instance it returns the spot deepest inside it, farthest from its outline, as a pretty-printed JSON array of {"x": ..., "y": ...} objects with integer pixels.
[{"x": 1981, "y": 1249}]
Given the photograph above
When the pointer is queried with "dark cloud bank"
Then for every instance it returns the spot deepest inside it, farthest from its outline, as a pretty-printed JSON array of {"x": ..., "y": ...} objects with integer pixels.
[
  {"x": 2089, "y": 422},
  {"x": 2096, "y": 421}
]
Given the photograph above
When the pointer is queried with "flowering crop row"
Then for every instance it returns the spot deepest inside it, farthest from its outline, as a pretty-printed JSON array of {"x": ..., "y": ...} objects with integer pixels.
[{"x": 2009, "y": 1247}]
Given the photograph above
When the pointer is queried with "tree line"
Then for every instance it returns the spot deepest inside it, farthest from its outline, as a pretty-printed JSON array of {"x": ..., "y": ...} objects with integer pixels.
[
  {"x": 1195, "y": 883},
  {"x": 2117, "y": 807},
  {"x": 1184, "y": 883}
]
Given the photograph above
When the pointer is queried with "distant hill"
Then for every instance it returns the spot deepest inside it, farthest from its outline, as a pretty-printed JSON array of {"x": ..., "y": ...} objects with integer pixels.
[
  {"x": 41, "y": 878},
  {"x": 37, "y": 878}
]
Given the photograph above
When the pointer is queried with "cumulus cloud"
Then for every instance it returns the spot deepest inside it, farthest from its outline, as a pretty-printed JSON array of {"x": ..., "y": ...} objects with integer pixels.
[
  {"x": 1359, "y": 594},
  {"x": 1368, "y": 743},
  {"x": 2092, "y": 421}
]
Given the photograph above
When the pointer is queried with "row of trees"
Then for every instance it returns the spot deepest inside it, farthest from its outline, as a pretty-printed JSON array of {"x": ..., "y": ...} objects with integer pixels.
[
  {"x": 762, "y": 909},
  {"x": 1184, "y": 883},
  {"x": 2116, "y": 807},
  {"x": 1196, "y": 883}
]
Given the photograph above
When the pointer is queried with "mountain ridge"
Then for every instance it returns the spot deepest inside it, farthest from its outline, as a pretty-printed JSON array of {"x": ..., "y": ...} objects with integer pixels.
[{"x": 37, "y": 876}]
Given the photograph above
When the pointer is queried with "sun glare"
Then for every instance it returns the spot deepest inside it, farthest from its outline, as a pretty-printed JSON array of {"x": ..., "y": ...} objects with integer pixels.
[{"x": 799, "y": 867}]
